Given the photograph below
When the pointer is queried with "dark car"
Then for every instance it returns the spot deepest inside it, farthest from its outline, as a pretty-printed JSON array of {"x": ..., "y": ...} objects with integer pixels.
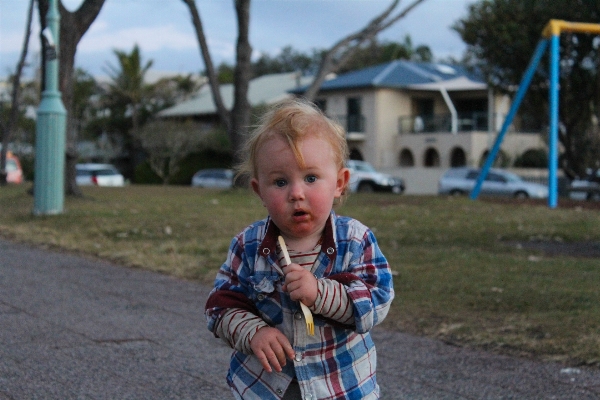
[{"x": 587, "y": 188}]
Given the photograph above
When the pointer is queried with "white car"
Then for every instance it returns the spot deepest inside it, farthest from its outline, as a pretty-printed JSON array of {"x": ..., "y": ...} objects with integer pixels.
[
  {"x": 365, "y": 178},
  {"x": 98, "y": 175},
  {"x": 220, "y": 178},
  {"x": 457, "y": 181}
]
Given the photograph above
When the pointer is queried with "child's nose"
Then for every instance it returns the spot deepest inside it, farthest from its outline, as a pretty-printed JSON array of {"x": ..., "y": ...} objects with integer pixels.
[{"x": 296, "y": 192}]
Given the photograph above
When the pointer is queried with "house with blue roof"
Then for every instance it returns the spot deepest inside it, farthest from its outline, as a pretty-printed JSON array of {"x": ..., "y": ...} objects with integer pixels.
[{"x": 418, "y": 119}]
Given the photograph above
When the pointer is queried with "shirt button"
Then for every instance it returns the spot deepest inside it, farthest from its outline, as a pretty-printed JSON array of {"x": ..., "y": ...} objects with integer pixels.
[
  {"x": 330, "y": 250},
  {"x": 279, "y": 392},
  {"x": 266, "y": 251},
  {"x": 298, "y": 315},
  {"x": 308, "y": 397},
  {"x": 260, "y": 297},
  {"x": 298, "y": 357}
]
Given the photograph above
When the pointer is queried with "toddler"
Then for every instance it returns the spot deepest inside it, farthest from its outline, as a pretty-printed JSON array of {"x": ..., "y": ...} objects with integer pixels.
[{"x": 296, "y": 162}]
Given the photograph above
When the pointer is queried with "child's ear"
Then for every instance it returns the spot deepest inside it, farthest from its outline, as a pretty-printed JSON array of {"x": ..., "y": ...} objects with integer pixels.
[
  {"x": 343, "y": 178},
  {"x": 255, "y": 187}
]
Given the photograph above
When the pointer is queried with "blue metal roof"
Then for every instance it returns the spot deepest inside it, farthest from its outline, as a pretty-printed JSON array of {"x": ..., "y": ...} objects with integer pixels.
[{"x": 396, "y": 74}]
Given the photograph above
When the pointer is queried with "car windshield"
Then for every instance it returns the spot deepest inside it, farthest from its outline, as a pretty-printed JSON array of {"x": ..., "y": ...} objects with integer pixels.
[
  {"x": 363, "y": 167},
  {"x": 510, "y": 177},
  {"x": 105, "y": 172}
]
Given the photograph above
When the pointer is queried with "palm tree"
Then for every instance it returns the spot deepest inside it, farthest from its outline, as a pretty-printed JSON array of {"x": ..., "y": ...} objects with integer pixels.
[{"x": 128, "y": 95}]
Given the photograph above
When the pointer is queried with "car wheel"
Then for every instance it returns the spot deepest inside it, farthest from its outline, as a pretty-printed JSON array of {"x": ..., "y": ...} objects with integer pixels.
[
  {"x": 594, "y": 196},
  {"x": 365, "y": 187},
  {"x": 521, "y": 195},
  {"x": 456, "y": 192},
  {"x": 397, "y": 190}
]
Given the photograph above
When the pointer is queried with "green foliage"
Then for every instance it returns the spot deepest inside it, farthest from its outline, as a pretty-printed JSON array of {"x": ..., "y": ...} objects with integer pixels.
[
  {"x": 200, "y": 160},
  {"x": 187, "y": 167},
  {"x": 290, "y": 60},
  {"x": 535, "y": 158},
  {"x": 377, "y": 53},
  {"x": 225, "y": 73},
  {"x": 144, "y": 175}
]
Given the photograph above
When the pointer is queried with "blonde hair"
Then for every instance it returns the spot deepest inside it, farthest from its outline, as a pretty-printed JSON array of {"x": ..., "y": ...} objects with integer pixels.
[{"x": 293, "y": 120}]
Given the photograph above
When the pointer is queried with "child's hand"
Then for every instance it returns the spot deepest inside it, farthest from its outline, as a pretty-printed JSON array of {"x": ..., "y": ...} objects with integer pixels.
[
  {"x": 301, "y": 284},
  {"x": 271, "y": 347}
]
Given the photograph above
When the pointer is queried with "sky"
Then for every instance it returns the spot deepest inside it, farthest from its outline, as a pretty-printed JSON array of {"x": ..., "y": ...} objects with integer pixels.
[{"x": 164, "y": 32}]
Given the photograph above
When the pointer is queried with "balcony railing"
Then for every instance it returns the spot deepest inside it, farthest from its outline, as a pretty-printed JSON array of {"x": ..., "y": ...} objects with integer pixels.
[
  {"x": 352, "y": 122},
  {"x": 466, "y": 122}
]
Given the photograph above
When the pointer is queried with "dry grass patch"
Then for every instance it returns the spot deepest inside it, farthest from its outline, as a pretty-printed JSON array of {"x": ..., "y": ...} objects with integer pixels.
[{"x": 464, "y": 270}]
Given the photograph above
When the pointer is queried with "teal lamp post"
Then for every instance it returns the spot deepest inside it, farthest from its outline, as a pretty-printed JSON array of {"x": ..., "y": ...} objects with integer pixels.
[{"x": 48, "y": 187}]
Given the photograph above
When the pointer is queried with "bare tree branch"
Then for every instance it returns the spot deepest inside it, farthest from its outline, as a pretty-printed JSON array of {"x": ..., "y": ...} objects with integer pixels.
[{"x": 337, "y": 55}]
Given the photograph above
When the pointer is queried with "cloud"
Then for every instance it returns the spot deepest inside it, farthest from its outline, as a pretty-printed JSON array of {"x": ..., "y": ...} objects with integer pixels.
[
  {"x": 100, "y": 39},
  {"x": 151, "y": 38}
]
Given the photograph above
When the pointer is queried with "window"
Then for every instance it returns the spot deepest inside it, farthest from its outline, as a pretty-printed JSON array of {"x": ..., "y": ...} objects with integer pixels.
[
  {"x": 354, "y": 113},
  {"x": 432, "y": 158},
  {"x": 406, "y": 158},
  {"x": 321, "y": 104},
  {"x": 458, "y": 158}
]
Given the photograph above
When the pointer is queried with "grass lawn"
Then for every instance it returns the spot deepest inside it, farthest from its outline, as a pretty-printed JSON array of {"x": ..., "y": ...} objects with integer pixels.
[{"x": 472, "y": 273}]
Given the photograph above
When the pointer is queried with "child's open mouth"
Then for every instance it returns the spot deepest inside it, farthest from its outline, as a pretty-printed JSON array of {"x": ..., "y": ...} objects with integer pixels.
[{"x": 300, "y": 215}]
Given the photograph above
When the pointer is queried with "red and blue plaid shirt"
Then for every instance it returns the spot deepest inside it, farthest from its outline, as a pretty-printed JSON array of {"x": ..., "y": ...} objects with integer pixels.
[{"x": 339, "y": 361}]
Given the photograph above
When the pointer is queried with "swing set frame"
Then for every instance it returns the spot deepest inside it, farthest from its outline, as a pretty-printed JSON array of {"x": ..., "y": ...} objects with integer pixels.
[{"x": 550, "y": 37}]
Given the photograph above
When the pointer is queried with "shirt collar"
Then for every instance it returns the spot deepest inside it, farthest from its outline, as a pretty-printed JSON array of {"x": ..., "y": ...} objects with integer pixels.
[{"x": 269, "y": 242}]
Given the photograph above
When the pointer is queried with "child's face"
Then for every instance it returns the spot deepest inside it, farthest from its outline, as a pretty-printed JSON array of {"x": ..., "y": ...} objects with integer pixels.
[{"x": 299, "y": 200}]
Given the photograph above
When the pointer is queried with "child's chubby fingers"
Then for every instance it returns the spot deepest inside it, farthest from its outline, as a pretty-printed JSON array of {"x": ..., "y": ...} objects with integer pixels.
[
  {"x": 271, "y": 347},
  {"x": 291, "y": 268}
]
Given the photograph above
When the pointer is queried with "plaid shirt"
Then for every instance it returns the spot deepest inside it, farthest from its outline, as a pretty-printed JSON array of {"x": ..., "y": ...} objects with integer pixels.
[{"x": 339, "y": 361}]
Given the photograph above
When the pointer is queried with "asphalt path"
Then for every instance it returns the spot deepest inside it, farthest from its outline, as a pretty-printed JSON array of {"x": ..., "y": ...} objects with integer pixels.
[{"x": 73, "y": 327}]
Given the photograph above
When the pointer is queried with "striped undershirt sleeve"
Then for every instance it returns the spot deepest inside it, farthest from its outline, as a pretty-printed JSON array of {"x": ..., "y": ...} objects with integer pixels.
[
  {"x": 237, "y": 328},
  {"x": 333, "y": 302}
]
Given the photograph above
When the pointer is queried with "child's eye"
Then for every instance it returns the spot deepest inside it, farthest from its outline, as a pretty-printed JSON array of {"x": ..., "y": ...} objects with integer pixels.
[
  {"x": 280, "y": 182},
  {"x": 311, "y": 179}
]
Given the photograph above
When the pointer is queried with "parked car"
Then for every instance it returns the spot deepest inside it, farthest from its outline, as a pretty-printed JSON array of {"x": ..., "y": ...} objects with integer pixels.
[
  {"x": 14, "y": 172},
  {"x": 213, "y": 178},
  {"x": 587, "y": 188},
  {"x": 498, "y": 182},
  {"x": 365, "y": 178},
  {"x": 98, "y": 175}
]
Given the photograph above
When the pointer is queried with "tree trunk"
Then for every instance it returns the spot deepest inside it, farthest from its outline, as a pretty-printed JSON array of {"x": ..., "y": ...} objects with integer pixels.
[
  {"x": 73, "y": 26},
  {"x": 240, "y": 115},
  {"x": 16, "y": 90}
]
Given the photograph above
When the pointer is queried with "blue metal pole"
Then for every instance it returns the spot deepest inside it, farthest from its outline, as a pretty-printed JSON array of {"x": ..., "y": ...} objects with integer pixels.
[
  {"x": 553, "y": 133},
  {"x": 523, "y": 86},
  {"x": 48, "y": 187}
]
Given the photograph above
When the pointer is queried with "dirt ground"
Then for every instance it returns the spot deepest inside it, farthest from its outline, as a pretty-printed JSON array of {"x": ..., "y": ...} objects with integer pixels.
[{"x": 550, "y": 248}]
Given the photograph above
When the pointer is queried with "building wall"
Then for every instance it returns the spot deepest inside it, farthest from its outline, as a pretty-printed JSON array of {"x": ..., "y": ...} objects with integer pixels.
[
  {"x": 381, "y": 144},
  {"x": 390, "y": 104}
]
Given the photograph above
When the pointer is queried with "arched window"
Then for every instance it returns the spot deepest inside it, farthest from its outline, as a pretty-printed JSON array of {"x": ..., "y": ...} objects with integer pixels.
[
  {"x": 406, "y": 158},
  {"x": 355, "y": 154},
  {"x": 431, "y": 158},
  {"x": 458, "y": 157},
  {"x": 502, "y": 159}
]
